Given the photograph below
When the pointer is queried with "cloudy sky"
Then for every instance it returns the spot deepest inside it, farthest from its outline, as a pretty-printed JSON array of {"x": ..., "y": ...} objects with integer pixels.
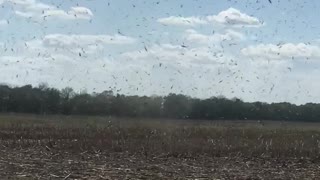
[{"x": 254, "y": 50}]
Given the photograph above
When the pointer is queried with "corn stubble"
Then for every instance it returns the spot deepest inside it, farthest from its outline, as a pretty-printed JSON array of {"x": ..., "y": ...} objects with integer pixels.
[{"x": 111, "y": 148}]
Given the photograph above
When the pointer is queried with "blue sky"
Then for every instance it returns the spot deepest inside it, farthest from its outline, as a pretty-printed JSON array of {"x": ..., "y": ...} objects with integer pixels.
[{"x": 254, "y": 50}]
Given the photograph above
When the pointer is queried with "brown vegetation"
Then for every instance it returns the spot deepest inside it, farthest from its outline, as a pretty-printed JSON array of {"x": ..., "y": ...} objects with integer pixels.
[{"x": 100, "y": 147}]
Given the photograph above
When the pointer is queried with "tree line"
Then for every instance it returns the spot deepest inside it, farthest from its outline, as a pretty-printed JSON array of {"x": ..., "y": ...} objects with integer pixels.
[{"x": 47, "y": 100}]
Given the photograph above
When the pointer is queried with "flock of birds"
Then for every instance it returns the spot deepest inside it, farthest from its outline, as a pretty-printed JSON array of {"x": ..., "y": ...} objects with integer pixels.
[{"x": 233, "y": 78}]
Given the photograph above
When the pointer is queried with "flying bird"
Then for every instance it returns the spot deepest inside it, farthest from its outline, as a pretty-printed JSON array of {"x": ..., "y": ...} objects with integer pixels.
[{"x": 184, "y": 46}]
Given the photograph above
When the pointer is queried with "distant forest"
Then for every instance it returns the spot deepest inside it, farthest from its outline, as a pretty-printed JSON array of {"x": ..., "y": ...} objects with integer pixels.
[{"x": 46, "y": 100}]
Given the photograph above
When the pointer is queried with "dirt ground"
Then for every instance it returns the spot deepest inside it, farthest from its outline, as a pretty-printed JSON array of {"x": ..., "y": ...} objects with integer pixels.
[
  {"x": 43, "y": 163},
  {"x": 70, "y": 148}
]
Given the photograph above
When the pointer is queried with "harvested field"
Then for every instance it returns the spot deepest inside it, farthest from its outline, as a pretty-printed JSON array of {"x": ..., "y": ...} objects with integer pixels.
[
  {"x": 53, "y": 147},
  {"x": 37, "y": 163}
]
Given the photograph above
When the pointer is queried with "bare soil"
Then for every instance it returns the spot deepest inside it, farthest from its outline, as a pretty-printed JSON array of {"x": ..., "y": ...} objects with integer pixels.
[
  {"x": 89, "y": 148},
  {"x": 44, "y": 163}
]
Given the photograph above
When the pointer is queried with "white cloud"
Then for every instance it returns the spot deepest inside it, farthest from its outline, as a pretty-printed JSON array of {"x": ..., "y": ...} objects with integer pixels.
[
  {"x": 29, "y": 5},
  {"x": 65, "y": 41},
  {"x": 230, "y": 17},
  {"x": 24, "y": 14},
  {"x": 177, "y": 55},
  {"x": 192, "y": 71},
  {"x": 20, "y": 2},
  {"x": 182, "y": 21},
  {"x": 91, "y": 47},
  {"x": 234, "y": 17},
  {"x": 59, "y": 72},
  {"x": 55, "y": 59},
  {"x": 74, "y": 13},
  {"x": 282, "y": 51},
  {"x": 42, "y": 11},
  {"x": 75, "y": 47},
  {"x": 229, "y": 35}
]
